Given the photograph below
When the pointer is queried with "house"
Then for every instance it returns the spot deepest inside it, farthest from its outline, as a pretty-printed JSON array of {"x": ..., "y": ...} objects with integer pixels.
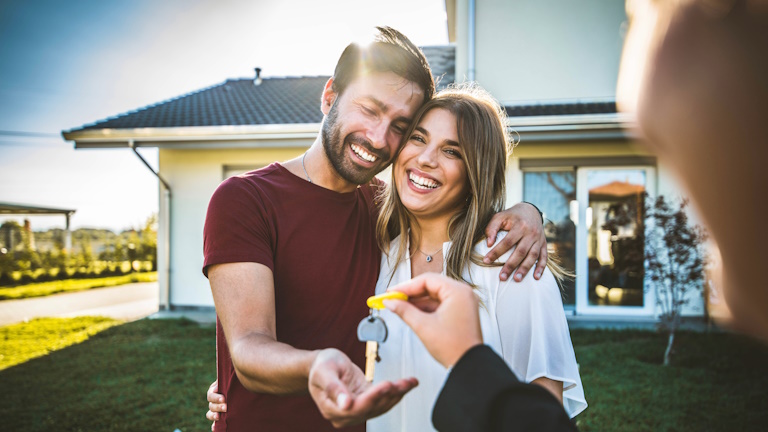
[
  {"x": 554, "y": 65},
  {"x": 577, "y": 156}
]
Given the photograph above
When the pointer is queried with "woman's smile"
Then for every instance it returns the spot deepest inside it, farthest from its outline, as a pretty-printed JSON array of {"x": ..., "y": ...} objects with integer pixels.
[{"x": 422, "y": 181}]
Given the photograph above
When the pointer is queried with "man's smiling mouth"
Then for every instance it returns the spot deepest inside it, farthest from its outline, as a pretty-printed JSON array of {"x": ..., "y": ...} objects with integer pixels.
[{"x": 362, "y": 154}]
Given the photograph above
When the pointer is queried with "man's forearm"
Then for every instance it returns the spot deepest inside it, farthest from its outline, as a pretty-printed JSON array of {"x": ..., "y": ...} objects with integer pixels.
[{"x": 264, "y": 365}]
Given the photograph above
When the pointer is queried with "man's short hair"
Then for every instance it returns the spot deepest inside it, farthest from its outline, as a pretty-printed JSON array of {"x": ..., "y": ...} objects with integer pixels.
[{"x": 390, "y": 51}]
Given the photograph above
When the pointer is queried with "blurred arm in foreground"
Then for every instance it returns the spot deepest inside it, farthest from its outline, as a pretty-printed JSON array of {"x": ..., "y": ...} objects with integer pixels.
[{"x": 695, "y": 72}]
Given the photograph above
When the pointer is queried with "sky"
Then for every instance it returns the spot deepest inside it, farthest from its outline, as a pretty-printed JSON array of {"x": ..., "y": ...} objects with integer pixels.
[{"x": 66, "y": 64}]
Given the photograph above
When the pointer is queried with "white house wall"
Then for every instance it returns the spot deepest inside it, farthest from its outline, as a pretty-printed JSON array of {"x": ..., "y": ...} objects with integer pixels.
[
  {"x": 543, "y": 49},
  {"x": 194, "y": 176}
]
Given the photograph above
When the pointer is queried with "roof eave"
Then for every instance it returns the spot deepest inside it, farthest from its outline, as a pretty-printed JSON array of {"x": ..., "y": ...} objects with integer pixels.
[
  {"x": 614, "y": 126},
  {"x": 7, "y": 208},
  {"x": 581, "y": 127},
  {"x": 193, "y": 137}
]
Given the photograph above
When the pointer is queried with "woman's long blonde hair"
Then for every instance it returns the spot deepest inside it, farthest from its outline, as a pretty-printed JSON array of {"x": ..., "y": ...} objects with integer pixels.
[{"x": 485, "y": 147}]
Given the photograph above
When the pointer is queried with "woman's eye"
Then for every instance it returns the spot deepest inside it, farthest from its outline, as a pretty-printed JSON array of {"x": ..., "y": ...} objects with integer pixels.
[
  {"x": 418, "y": 138},
  {"x": 453, "y": 153},
  {"x": 368, "y": 111}
]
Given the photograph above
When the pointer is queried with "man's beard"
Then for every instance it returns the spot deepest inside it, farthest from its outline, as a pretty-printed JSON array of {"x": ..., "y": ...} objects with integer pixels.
[{"x": 334, "y": 147}]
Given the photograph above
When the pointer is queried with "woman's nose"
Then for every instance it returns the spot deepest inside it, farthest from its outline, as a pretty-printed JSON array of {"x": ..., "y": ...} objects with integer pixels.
[{"x": 428, "y": 156}]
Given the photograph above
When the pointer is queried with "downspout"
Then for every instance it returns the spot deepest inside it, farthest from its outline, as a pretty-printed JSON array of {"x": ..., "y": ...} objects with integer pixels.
[
  {"x": 68, "y": 233},
  {"x": 471, "y": 41},
  {"x": 165, "y": 228}
]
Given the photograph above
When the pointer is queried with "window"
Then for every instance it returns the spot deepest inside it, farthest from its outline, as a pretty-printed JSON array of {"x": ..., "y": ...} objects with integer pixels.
[
  {"x": 606, "y": 250},
  {"x": 553, "y": 192}
]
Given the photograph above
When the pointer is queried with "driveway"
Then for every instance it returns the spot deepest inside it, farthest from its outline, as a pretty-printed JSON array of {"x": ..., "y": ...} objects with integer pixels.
[{"x": 125, "y": 302}]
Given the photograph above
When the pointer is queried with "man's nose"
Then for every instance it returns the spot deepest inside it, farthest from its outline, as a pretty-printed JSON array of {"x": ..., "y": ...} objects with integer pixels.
[{"x": 377, "y": 134}]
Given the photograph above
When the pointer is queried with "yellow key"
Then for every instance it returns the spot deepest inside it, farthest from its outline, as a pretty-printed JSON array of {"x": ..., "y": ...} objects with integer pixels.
[{"x": 375, "y": 302}]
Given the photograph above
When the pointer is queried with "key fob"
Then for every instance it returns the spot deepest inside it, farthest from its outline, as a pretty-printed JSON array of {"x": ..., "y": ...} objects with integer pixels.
[{"x": 372, "y": 329}]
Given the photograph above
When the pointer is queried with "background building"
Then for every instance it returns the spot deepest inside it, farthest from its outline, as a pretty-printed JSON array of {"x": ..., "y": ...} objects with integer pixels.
[{"x": 553, "y": 64}]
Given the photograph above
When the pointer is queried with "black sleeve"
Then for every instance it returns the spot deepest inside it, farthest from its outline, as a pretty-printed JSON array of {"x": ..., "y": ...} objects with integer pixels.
[{"x": 482, "y": 394}]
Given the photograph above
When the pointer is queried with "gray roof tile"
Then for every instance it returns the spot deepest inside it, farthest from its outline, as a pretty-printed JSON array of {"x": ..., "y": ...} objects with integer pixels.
[
  {"x": 288, "y": 100},
  {"x": 234, "y": 102}
]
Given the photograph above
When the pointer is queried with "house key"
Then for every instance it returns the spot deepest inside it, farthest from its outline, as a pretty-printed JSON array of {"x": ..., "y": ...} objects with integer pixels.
[{"x": 372, "y": 330}]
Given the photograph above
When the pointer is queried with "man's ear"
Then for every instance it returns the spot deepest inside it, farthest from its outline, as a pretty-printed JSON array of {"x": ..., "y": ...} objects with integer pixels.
[{"x": 328, "y": 98}]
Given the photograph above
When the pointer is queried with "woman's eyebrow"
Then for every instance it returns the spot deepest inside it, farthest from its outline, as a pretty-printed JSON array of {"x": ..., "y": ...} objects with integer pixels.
[
  {"x": 452, "y": 143},
  {"x": 423, "y": 131}
]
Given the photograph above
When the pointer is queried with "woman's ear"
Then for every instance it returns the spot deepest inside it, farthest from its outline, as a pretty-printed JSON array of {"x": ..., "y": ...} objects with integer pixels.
[{"x": 328, "y": 97}]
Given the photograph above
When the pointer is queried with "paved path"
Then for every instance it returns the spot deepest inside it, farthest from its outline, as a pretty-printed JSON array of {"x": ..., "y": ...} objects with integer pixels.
[{"x": 126, "y": 302}]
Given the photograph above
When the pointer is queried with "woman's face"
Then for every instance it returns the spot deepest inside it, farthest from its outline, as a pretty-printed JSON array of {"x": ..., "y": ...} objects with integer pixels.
[{"x": 429, "y": 173}]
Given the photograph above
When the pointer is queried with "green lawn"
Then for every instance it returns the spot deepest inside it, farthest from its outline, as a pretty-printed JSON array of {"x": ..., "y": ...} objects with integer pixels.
[
  {"x": 72, "y": 285},
  {"x": 717, "y": 382},
  {"x": 152, "y": 375},
  {"x": 148, "y": 375},
  {"x": 24, "y": 341}
]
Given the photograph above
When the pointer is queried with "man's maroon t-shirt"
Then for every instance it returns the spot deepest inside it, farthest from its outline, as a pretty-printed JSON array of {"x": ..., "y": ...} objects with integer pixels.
[{"x": 321, "y": 248}]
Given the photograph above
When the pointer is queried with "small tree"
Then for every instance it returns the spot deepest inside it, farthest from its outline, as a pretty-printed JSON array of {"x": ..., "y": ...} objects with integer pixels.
[{"x": 675, "y": 261}]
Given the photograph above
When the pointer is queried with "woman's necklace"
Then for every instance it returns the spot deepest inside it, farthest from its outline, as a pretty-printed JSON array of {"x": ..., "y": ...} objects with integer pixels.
[{"x": 429, "y": 256}]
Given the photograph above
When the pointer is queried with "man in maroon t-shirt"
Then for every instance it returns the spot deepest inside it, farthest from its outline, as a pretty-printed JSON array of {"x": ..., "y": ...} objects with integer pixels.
[{"x": 291, "y": 255}]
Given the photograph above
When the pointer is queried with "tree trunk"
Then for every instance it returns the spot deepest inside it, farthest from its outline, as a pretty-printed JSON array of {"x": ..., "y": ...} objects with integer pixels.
[{"x": 668, "y": 352}]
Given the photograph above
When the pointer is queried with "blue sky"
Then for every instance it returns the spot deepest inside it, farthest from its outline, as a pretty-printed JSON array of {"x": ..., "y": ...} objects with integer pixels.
[{"x": 65, "y": 64}]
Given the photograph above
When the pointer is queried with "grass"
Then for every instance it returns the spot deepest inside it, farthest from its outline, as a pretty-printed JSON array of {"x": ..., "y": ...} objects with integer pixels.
[
  {"x": 716, "y": 382},
  {"x": 72, "y": 285},
  {"x": 149, "y": 375},
  {"x": 152, "y": 375},
  {"x": 25, "y": 341}
]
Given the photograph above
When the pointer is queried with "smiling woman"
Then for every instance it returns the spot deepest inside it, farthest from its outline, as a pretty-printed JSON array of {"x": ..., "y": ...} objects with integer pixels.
[
  {"x": 450, "y": 173},
  {"x": 430, "y": 173},
  {"x": 447, "y": 182}
]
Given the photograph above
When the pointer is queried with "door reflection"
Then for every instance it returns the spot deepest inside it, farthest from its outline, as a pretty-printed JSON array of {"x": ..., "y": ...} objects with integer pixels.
[{"x": 615, "y": 239}]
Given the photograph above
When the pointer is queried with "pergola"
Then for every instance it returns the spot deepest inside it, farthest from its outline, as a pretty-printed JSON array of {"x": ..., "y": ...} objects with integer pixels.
[{"x": 24, "y": 209}]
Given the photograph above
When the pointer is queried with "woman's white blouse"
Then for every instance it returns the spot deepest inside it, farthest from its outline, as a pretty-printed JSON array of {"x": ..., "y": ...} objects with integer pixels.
[{"x": 523, "y": 322}]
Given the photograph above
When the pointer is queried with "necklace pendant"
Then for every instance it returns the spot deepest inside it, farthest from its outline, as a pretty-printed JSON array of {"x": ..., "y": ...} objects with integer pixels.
[{"x": 429, "y": 258}]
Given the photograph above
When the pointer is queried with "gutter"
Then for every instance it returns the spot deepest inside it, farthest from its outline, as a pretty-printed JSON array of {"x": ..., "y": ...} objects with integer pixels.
[
  {"x": 581, "y": 127},
  {"x": 196, "y": 136},
  {"x": 165, "y": 228},
  {"x": 531, "y": 128}
]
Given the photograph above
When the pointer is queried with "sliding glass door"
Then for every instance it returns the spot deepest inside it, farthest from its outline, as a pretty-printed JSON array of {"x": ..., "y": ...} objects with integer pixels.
[{"x": 594, "y": 223}]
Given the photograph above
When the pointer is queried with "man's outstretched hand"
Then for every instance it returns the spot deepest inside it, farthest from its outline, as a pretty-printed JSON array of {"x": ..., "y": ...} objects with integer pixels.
[{"x": 342, "y": 394}]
